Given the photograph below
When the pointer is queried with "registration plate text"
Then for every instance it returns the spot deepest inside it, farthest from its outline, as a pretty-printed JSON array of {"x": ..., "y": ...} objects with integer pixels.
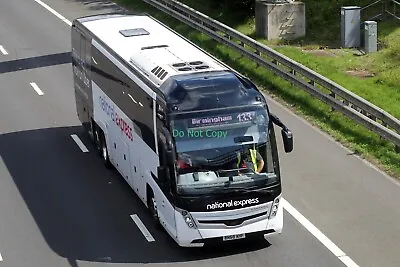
[{"x": 233, "y": 237}]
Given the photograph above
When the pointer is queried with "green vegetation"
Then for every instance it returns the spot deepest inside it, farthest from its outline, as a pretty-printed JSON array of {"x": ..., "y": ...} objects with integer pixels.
[{"x": 375, "y": 77}]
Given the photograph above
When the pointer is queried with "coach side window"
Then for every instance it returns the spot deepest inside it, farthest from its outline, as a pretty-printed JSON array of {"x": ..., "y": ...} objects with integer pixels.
[
  {"x": 82, "y": 55},
  {"x": 88, "y": 55},
  {"x": 76, "y": 44}
]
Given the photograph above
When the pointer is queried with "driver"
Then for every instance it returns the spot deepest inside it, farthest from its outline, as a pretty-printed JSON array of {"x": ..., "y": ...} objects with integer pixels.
[{"x": 251, "y": 160}]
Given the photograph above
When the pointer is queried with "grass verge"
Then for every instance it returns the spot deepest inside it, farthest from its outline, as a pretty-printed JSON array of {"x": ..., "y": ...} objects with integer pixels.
[{"x": 357, "y": 138}]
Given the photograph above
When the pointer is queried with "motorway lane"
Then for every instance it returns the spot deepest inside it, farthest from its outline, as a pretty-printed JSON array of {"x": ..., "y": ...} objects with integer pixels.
[
  {"x": 65, "y": 201},
  {"x": 74, "y": 208},
  {"x": 49, "y": 59},
  {"x": 292, "y": 180},
  {"x": 79, "y": 8},
  {"x": 350, "y": 201},
  {"x": 17, "y": 109},
  {"x": 24, "y": 109},
  {"x": 82, "y": 213},
  {"x": 60, "y": 202}
]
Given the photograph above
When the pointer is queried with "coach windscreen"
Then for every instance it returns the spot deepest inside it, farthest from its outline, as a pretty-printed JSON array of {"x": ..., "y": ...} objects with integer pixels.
[{"x": 222, "y": 149}]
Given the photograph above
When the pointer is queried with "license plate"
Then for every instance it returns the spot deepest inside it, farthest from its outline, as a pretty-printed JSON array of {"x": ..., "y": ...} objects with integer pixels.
[{"x": 233, "y": 237}]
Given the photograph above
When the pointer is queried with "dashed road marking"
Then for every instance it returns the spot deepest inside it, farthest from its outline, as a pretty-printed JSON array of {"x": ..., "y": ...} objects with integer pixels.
[
  {"x": 79, "y": 143},
  {"x": 142, "y": 228},
  {"x": 36, "y": 88},
  {"x": 1, "y": 258},
  {"x": 3, "y": 50}
]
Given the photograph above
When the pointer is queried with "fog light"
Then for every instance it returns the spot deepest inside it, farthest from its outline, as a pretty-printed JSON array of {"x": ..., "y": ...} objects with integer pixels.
[
  {"x": 274, "y": 208},
  {"x": 187, "y": 218}
]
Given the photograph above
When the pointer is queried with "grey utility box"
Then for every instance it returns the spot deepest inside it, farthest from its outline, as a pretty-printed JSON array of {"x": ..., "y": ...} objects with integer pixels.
[
  {"x": 350, "y": 26},
  {"x": 280, "y": 19},
  {"x": 370, "y": 36}
]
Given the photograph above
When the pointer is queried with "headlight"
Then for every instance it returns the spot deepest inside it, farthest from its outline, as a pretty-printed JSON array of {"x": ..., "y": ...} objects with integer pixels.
[
  {"x": 274, "y": 208},
  {"x": 187, "y": 218}
]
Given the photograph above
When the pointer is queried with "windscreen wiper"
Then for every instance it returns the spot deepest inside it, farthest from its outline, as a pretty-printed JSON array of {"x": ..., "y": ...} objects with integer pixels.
[
  {"x": 255, "y": 188},
  {"x": 240, "y": 188}
]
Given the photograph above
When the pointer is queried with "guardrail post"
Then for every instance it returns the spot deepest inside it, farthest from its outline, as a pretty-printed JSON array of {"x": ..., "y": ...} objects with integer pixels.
[
  {"x": 258, "y": 53},
  {"x": 294, "y": 73},
  {"x": 380, "y": 137},
  {"x": 397, "y": 149},
  {"x": 332, "y": 94},
  {"x": 274, "y": 61},
  {"x": 372, "y": 117}
]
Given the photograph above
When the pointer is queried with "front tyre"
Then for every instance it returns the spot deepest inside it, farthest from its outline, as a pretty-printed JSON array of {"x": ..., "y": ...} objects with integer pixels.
[
  {"x": 151, "y": 203},
  {"x": 97, "y": 133},
  {"x": 104, "y": 151}
]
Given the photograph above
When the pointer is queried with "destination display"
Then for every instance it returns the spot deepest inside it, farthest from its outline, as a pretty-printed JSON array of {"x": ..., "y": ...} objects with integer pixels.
[
  {"x": 226, "y": 119},
  {"x": 221, "y": 127},
  {"x": 194, "y": 125}
]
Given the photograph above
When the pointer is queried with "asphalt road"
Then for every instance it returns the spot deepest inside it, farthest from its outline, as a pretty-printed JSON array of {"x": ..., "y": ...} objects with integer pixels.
[{"x": 61, "y": 207}]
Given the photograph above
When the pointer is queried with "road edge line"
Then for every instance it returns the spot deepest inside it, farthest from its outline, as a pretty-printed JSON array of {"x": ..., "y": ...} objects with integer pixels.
[{"x": 321, "y": 237}]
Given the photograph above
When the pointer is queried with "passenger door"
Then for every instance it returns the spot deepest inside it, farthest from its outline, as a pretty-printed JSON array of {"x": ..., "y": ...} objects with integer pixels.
[{"x": 163, "y": 195}]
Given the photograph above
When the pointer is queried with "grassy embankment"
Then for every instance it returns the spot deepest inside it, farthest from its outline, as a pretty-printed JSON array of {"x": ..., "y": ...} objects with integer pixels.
[{"x": 375, "y": 77}]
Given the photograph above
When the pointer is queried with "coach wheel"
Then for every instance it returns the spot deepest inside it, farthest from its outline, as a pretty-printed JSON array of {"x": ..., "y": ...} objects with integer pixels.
[
  {"x": 97, "y": 139},
  {"x": 104, "y": 151},
  {"x": 151, "y": 202},
  {"x": 90, "y": 131}
]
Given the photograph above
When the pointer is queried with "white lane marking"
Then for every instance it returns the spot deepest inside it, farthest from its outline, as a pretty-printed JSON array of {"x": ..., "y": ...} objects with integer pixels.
[
  {"x": 58, "y": 15},
  {"x": 319, "y": 235},
  {"x": 142, "y": 228},
  {"x": 36, "y": 88},
  {"x": 347, "y": 261},
  {"x": 2, "y": 50},
  {"x": 79, "y": 143},
  {"x": 1, "y": 258}
]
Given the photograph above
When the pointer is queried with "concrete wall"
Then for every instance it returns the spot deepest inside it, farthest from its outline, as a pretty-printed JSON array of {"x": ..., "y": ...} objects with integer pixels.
[{"x": 280, "y": 21}]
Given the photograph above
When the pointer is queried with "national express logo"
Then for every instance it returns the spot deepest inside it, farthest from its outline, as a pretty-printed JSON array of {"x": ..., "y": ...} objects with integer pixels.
[
  {"x": 232, "y": 203},
  {"x": 120, "y": 122}
]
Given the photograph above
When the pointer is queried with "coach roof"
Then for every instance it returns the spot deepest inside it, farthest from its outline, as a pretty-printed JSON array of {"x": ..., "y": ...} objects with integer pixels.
[{"x": 149, "y": 47}]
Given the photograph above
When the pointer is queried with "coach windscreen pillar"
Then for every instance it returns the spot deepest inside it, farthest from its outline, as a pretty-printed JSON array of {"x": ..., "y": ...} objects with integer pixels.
[{"x": 350, "y": 26}]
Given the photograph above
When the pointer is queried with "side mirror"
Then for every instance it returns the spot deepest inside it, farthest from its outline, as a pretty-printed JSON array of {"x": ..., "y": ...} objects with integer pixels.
[
  {"x": 161, "y": 115},
  {"x": 287, "y": 137}
]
